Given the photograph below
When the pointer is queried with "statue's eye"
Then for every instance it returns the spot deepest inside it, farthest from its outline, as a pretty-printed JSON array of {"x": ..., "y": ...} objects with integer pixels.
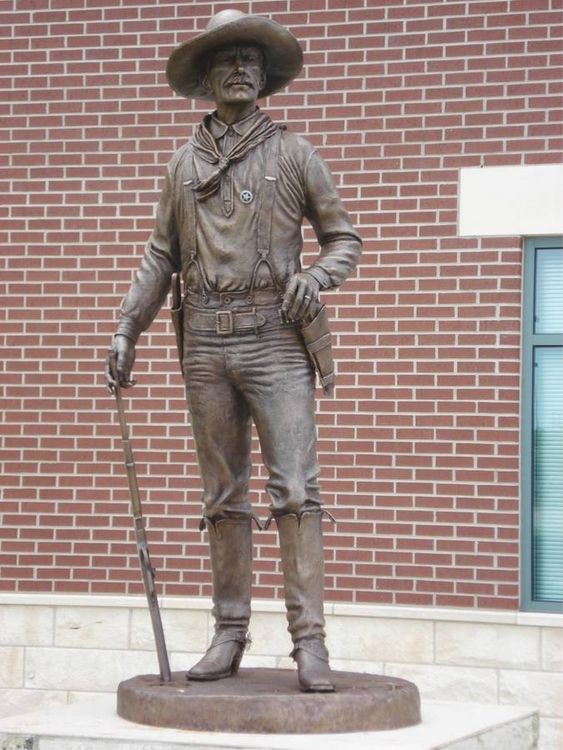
[{"x": 225, "y": 57}]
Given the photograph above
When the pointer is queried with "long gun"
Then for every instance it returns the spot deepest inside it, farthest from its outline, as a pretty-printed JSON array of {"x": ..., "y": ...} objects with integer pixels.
[{"x": 147, "y": 570}]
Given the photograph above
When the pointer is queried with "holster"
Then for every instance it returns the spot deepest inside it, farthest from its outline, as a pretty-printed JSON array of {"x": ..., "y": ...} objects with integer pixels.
[
  {"x": 318, "y": 340},
  {"x": 177, "y": 315}
]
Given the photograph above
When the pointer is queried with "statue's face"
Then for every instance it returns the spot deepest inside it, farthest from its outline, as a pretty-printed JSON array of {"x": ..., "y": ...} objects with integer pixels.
[{"x": 235, "y": 74}]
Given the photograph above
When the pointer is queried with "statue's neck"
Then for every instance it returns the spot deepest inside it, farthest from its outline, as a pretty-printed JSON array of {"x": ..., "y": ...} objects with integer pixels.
[{"x": 230, "y": 113}]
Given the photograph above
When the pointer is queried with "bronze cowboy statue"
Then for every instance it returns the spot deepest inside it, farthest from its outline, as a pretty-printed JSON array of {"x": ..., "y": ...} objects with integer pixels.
[{"x": 252, "y": 329}]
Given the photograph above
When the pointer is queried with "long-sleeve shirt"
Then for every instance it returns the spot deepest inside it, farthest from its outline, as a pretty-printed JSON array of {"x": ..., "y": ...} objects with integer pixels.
[{"x": 226, "y": 225}]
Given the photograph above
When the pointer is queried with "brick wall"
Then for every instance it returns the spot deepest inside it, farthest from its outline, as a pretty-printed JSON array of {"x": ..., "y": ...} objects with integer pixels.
[{"x": 420, "y": 446}]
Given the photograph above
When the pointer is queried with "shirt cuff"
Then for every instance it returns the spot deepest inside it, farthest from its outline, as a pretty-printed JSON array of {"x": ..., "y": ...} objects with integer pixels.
[
  {"x": 320, "y": 276},
  {"x": 128, "y": 329}
]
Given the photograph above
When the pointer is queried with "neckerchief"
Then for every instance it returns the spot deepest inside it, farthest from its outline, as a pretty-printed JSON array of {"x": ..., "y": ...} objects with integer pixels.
[{"x": 204, "y": 143}]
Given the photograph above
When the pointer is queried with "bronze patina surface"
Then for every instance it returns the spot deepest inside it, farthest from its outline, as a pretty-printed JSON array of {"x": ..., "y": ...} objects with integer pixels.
[
  {"x": 265, "y": 701},
  {"x": 250, "y": 327}
]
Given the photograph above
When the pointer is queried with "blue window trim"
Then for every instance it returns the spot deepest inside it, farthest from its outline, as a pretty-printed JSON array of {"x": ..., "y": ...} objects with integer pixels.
[{"x": 529, "y": 341}]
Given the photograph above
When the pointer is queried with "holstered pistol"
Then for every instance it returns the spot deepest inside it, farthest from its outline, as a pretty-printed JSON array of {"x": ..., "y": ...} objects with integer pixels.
[
  {"x": 318, "y": 340},
  {"x": 177, "y": 314}
]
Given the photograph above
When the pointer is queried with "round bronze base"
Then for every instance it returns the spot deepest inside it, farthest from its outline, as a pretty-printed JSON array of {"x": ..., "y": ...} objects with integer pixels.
[{"x": 269, "y": 701}]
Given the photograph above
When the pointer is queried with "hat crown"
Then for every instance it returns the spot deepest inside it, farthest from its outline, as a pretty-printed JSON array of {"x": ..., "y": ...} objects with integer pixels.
[
  {"x": 223, "y": 17},
  {"x": 284, "y": 56}
]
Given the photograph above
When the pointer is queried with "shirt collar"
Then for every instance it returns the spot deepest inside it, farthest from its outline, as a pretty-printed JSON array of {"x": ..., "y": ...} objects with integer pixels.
[{"x": 219, "y": 128}]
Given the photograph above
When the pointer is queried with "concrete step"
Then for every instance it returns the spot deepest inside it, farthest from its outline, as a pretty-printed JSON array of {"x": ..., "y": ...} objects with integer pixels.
[{"x": 93, "y": 724}]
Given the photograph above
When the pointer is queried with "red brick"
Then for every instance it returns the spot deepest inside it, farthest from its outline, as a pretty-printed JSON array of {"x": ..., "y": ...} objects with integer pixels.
[{"x": 407, "y": 426}]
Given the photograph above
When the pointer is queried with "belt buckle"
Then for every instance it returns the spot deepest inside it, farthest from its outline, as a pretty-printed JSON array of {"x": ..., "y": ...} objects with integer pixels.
[{"x": 224, "y": 324}]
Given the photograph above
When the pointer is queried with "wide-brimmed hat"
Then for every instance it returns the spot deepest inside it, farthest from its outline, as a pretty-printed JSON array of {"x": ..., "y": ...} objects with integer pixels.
[{"x": 284, "y": 57}]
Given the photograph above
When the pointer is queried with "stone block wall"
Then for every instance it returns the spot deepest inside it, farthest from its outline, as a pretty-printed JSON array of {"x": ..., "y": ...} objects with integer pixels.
[{"x": 55, "y": 650}]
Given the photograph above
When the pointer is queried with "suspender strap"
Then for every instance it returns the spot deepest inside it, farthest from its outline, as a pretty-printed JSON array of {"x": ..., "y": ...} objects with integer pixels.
[
  {"x": 266, "y": 210},
  {"x": 191, "y": 219},
  {"x": 191, "y": 216},
  {"x": 264, "y": 233}
]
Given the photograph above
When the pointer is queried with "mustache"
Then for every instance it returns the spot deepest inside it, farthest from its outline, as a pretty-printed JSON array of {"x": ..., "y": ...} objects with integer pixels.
[{"x": 238, "y": 79}]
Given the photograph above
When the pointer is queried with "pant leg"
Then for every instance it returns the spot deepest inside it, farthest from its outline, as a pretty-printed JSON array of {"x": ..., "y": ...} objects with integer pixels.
[
  {"x": 275, "y": 376},
  {"x": 221, "y": 427}
]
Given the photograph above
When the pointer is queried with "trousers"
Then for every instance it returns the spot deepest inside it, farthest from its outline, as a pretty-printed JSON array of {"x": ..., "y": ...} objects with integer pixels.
[{"x": 263, "y": 376}]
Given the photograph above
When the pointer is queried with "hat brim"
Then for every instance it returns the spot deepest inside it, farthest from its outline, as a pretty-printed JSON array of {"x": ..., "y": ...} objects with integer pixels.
[{"x": 284, "y": 57}]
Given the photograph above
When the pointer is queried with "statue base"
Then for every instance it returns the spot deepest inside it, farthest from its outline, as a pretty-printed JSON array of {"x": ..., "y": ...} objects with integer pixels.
[{"x": 269, "y": 701}]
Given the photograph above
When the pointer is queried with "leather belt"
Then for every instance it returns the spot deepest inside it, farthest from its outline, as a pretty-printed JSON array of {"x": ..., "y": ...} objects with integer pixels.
[{"x": 227, "y": 322}]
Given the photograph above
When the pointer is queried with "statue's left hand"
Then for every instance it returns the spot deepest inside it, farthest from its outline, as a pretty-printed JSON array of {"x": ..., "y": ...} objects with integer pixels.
[{"x": 302, "y": 294}]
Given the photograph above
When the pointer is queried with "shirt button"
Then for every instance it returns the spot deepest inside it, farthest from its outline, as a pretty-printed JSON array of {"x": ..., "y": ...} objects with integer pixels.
[{"x": 227, "y": 300}]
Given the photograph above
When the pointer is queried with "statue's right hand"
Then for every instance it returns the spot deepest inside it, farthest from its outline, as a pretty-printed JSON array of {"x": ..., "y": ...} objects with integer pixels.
[{"x": 122, "y": 353}]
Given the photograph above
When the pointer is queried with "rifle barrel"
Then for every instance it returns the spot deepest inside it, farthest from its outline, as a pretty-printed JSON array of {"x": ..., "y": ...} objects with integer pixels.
[{"x": 147, "y": 571}]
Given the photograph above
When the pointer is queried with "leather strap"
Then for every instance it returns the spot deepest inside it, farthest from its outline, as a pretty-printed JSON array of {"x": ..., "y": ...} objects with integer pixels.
[
  {"x": 227, "y": 322},
  {"x": 191, "y": 219},
  {"x": 264, "y": 230},
  {"x": 314, "y": 646},
  {"x": 191, "y": 215},
  {"x": 265, "y": 213},
  {"x": 225, "y": 636}
]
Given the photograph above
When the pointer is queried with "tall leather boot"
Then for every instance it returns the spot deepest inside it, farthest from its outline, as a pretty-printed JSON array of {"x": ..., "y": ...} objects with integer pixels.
[
  {"x": 301, "y": 546},
  {"x": 230, "y": 546}
]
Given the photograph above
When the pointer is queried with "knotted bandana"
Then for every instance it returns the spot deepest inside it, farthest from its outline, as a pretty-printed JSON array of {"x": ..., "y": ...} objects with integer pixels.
[{"x": 204, "y": 143}]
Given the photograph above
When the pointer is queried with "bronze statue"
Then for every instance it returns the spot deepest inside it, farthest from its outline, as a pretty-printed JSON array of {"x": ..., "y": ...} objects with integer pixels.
[{"x": 251, "y": 327}]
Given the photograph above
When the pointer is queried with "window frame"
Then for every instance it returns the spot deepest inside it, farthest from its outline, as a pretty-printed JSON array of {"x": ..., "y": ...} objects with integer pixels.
[{"x": 530, "y": 340}]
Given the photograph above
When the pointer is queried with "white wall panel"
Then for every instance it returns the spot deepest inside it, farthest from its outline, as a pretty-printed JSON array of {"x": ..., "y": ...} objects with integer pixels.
[{"x": 510, "y": 201}]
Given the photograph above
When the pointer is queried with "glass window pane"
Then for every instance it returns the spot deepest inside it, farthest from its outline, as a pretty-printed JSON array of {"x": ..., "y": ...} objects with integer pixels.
[
  {"x": 548, "y": 473},
  {"x": 549, "y": 291}
]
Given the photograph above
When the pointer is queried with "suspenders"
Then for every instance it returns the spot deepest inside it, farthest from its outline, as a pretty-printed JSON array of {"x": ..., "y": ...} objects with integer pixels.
[
  {"x": 265, "y": 212},
  {"x": 191, "y": 219}
]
